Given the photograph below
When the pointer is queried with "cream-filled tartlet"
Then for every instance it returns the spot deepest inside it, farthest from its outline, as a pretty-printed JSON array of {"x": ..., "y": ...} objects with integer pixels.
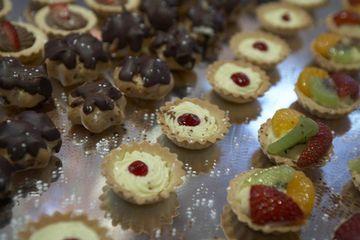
[
  {"x": 277, "y": 199},
  {"x": 104, "y": 8},
  {"x": 260, "y": 48},
  {"x": 293, "y": 139},
  {"x": 237, "y": 81},
  {"x": 283, "y": 18},
  {"x": 142, "y": 173},
  {"x": 5, "y": 8},
  {"x": 354, "y": 167},
  {"x": 307, "y": 4},
  {"x": 64, "y": 226},
  {"x": 345, "y": 22}
]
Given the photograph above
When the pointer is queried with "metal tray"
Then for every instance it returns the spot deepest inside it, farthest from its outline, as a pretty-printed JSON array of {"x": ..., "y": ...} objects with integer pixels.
[{"x": 73, "y": 181}]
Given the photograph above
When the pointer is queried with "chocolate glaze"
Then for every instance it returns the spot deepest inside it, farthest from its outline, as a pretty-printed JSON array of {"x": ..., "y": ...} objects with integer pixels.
[
  {"x": 66, "y": 50},
  {"x": 75, "y": 21},
  {"x": 162, "y": 14},
  {"x": 33, "y": 80},
  {"x": 99, "y": 94},
  {"x": 26, "y": 39},
  {"x": 152, "y": 70},
  {"x": 129, "y": 29},
  {"x": 178, "y": 45}
]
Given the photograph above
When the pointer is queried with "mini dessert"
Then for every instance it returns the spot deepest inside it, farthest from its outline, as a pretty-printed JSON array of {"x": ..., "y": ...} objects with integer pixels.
[
  {"x": 162, "y": 14},
  {"x": 5, "y": 8},
  {"x": 349, "y": 229},
  {"x": 177, "y": 47},
  {"x": 345, "y": 22},
  {"x": 97, "y": 106},
  {"x": 142, "y": 173},
  {"x": 293, "y": 139},
  {"x": 61, "y": 19},
  {"x": 273, "y": 200},
  {"x": 75, "y": 59},
  {"x": 327, "y": 95},
  {"x": 28, "y": 140},
  {"x": 336, "y": 53},
  {"x": 353, "y": 5},
  {"x": 21, "y": 40},
  {"x": 237, "y": 81},
  {"x": 125, "y": 33},
  {"x": 144, "y": 77},
  {"x": 354, "y": 166},
  {"x": 307, "y": 4},
  {"x": 22, "y": 86},
  {"x": 64, "y": 226},
  {"x": 104, "y": 8},
  {"x": 193, "y": 123},
  {"x": 260, "y": 48},
  {"x": 283, "y": 18}
]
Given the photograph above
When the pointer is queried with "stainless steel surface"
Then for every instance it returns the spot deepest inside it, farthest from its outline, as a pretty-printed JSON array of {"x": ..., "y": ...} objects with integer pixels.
[{"x": 203, "y": 195}]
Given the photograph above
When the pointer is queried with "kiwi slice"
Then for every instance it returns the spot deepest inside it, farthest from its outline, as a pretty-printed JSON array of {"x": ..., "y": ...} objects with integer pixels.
[
  {"x": 345, "y": 55},
  {"x": 323, "y": 93},
  {"x": 354, "y": 165}
]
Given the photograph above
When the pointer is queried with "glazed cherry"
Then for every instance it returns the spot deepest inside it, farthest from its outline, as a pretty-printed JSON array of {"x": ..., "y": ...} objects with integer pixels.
[
  {"x": 260, "y": 46},
  {"x": 189, "y": 119},
  {"x": 286, "y": 17},
  {"x": 138, "y": 168},
  {"x": 240, "y": 79},
  {"x": 347, "y": 17}
]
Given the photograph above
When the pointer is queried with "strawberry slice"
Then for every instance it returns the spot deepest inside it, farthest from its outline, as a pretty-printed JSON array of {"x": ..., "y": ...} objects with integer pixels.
[
  {"x": 349, "y": 230},
  {"x": 269, "y": 205},
  {"x": 345, "y": 85},
  {"x": 11, "y": 34},
  {"x": 347, "y": 17},
  {"x": 60, "y": 10},
  {"x": 316, "y": 147}
]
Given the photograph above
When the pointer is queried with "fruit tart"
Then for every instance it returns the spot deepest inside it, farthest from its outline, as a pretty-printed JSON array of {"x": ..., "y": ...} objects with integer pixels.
[
  {"x": 104, "y": 8},
  {"x": 237, "y": 81},
  {"x": 353, "y": 5},
  {"x": 64, "y": 226},
  {"x": 75, "y": 58},
  {"x": 307, "y": 4},
  {"x": 142, "y": 173},
  {"x": 283, "y": 18},
  {"x": 336, "y": 53},
  {"x": 162, "y": 14},
  {"x": 349, "y": 229},
  {"x": 22, "y": 86},
  {"x": 21, "y": 40},
  {"x": 272, "y": 200},
  {"x": 327, "y": 95},
  {"x": 345, "y": 22},
  {"x": 193, "y": 123},
  {"x": 97, "y": 106},
  {"x": 295, "y": 140},
  {"x": 61, "y": 19},
  {"x": 354, "y": 166},
  {"x": 5, "y": 8},
  {"x": 143, "y": 77}
]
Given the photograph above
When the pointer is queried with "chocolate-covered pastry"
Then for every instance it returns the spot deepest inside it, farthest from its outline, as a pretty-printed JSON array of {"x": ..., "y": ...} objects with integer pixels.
[
  {"x": 23, "y": 86},
  {"x": 97, "y": 106},
  {"x": 75, "y": 58},
  {"x": 162, "y": 14},
  {"x": 144, "y": 77},
  {"x": 177, "y": 47}
]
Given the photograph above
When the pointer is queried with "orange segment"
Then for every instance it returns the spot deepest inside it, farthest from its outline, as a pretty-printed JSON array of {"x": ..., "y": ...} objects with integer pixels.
[
  {"x": 283, "y": 121},
  {"x": 302, "y": 191},
  {"x": 325, "y": 41},
  {"x": 305, "y": 76}
]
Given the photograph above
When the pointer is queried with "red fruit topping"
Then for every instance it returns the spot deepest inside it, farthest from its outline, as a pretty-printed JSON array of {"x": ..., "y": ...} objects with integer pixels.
[
  {"x": 11, "y": 34},
  {"x": 345, "y": 85},
  {"x": 316, "y": 147},
  {"x": 138, "y": 168},
  {"x": 240, "y": 79},
  {"x": 269, "y": 205},
  {"x": 189, "y": 119},
  {"x": 60, "y": 10},
  {"x": 349, "y": 230},
  {"x": 286, "y": 17},
  {"x": 346, "y": 17},
  {"x": 260, "y": 46},
  {"x": 354, "y": 2}
]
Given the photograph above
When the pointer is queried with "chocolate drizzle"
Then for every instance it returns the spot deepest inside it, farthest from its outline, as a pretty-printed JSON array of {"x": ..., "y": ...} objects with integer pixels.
[
  {"x": 152, "y": 70},
  {"x": 99, "y": 94},
  {"x": 73, "y": 22},
  {"x": 26, "y": 39},
  {"x": 66, "y": 50},
  {"x": 161, "y": 14},
  {"x": 33, "y": 80},
  {"x": 128, "y": 29}
]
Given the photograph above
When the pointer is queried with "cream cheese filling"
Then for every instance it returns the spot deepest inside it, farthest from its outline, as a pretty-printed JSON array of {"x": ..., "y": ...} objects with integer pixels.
[
  {"x": 272, "y": 54},
  {"x": 275, "y": 16}
]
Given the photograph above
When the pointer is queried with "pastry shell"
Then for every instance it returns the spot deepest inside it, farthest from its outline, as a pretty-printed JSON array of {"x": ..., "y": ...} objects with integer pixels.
[
  {"x": 238, "y": 37},
  {"x": 356, "y": 179},
  {"x": 40, "y": 21},
  {"x": 104, "y": 10},
  {"x": 238, "y": 98},
  {"x": 223, "y": 124},
  {"x": 57, "y": 217},
  {"x": 7, "y": 6},
  {"x": 344, "y": 32},
  {"x": 176, "y": 170},
  {"x": 308, "y": 6}
]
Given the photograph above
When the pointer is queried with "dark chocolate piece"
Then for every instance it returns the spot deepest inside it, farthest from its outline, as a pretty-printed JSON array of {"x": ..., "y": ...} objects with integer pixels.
[
  {"x": 99, "y": 94},
  {"x": 33, "y": 80},
  {"x": 162, "y": 14},
  {"x": 152, "y": 70},
  {"x": 26, "y": 39},
  {"x": 128, "y": 29},
  {"x": 73, "y": 21},
  {"x": 87, "y": 48}
]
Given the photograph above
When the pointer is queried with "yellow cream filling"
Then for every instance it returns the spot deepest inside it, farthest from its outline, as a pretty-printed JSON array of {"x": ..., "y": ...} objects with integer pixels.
[
  {"x": 272, "y": 54},
  {"x": 275, "y": 16}
]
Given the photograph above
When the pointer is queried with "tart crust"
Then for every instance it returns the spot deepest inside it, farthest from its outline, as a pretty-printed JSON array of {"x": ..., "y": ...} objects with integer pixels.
[
  {"x": 222, "y": 120},
  {"x": 7, "y": 6},
  {"x": 308, "y": 6},
  {"x": 176, "y": 171},
  {"x": 40, "y": 21},
  {"x": 238, "y": 37},
  {"x": 33, "y": 53},
  {"x": 57, "y": 217},
  {"x": 238, "y": 98},
  {"x": 105, "y": 10},
  {"x": 356, "y": 179},
  {"x": 344, "y": 32}
]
